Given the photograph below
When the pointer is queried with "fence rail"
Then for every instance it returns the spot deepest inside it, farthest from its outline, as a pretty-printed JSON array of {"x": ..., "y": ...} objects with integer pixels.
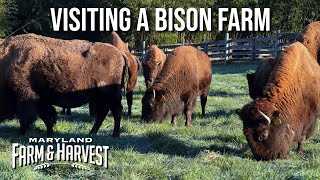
[{"x": 245, "y": 49}]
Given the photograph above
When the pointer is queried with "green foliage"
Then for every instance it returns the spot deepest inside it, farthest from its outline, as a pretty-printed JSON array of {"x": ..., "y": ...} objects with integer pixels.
[
  {"x": 7, "y": 17},
  {"x": 287, "y": 15}
]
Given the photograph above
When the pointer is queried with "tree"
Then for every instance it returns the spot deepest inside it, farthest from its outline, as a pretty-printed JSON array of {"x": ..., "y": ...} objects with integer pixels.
[{"x": 7, "y": 17}]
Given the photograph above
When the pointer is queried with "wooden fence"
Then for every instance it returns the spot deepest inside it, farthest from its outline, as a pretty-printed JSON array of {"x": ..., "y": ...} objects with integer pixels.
[{"x": 228, "y": 50}]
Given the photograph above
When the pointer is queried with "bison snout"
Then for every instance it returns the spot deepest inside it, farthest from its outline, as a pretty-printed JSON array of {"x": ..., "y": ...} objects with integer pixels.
[{"x": 263, "y": 135}]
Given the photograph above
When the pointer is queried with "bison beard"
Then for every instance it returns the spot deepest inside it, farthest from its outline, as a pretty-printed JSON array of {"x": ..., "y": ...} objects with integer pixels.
[
  {"x": 186, "y": 74},
  {"x": 42, "y": 72},
  {"x": 286, "y": 112}
]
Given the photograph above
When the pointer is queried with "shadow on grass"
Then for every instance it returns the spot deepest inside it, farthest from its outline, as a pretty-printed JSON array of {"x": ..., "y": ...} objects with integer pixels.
[
  {"x": 76, "y": 117},
  {"x": 154, "y": 142},
  {"x": 85, "y": 117},
  {"x": 226, "y": 94},
  {"x": 218, "y": 113},
  {"x": 228, "y": 145}
]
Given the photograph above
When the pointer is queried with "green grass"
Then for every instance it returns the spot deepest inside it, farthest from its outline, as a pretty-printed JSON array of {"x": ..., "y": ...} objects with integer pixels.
[{"x": 212, "y": 148}]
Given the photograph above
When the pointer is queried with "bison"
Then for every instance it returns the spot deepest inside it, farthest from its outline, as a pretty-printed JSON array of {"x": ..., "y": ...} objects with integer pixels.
[
  {"x": 115, "y": 40},
  {"x": 38, "y": 72},
  {"x": 310, "y": 37},
  {"x": 257, "y": 80},
  {"x": 152, "y": 64},
  {"x": 287, "y": 110},
  {"x": 186, "y": 74}
]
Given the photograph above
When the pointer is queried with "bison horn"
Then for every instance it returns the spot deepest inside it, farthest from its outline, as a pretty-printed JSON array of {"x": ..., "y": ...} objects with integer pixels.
[
  {"x": 163, "y": 98},
  {"x": 154, "y": 94},
  {"x": 265, "y": 116}
]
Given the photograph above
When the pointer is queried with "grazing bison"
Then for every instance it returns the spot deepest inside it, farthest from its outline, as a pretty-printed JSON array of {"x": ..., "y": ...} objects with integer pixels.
[
  {"x": 310, "y": 37},
  {"x": 257, "y": 80},
  {"x": 186, "y": 74},
  {"x": 40, "y": 72},
  {"x": 287, "y": 110},
  {"x": 115, "y": 40},
  {"x": 152, "y": 64}
]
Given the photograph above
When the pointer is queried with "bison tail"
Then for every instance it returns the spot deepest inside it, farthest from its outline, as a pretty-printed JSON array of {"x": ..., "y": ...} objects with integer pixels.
[
  {"x": 125, "y": 73},
  {"x": 139, "y": 63}
]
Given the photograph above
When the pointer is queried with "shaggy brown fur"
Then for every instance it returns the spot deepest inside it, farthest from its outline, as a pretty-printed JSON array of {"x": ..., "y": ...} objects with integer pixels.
[
  {"x": 186, "y": 74},
  {"x": 310, "y": 37},
  {"x": 42, "y": 72},
  {"x": 6, "y": 102},
  {"x": 290, "y": 99},
  {"x": 115, "y": 40},
  {"x": 257, "y": 80},
  {"x": 152, "y": 64}
]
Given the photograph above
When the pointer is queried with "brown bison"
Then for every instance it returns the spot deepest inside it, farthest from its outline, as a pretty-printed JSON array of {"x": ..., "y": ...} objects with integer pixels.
[
  {"x": 287, "y": 110},
  {"x": 310, "y": 37},
  {"x": 257, "y": 80},
  {"x": 152, "y": 64},
  {"x": 115, "y": 40},
  {"x": 40, "y": 72},
  {"x": 186, "y": 74}
]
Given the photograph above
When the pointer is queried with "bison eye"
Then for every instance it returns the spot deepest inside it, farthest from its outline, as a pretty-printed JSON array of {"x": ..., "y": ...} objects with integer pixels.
[{"x": 159, "y": 63}]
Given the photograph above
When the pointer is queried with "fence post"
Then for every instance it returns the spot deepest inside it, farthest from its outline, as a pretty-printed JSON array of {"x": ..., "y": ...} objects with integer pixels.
[
  {"x": 226, "y": 57},
  {"x": 143, "y": 49},
  {"x": 253, "y": 55},
  {"x": 206, "y": 48},
  {"x": 277, "y": 43},
  {"x": 183, "y": 41}
]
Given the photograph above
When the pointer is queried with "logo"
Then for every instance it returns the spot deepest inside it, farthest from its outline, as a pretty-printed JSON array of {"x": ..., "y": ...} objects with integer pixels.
[{"x": 47, "y": 152}]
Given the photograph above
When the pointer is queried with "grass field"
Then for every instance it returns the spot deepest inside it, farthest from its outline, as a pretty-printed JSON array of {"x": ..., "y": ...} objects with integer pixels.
[{"x": 212, "y": 148}]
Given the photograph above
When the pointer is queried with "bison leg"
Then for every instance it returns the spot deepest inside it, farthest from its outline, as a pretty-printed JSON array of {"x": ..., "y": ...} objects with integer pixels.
[
  {"x": 300, "y": 145},
  {"x": 203, "y": 99},
  {"x": 116, "y": 110},
  {"x": 100, "y": 114},
  {"x": 188, "y": 110},
  {"x": 68, "y": 111},
  {"x": 63, "y": 111},
  {"x": 174, "y": 120},
  {"x": 203, "y": 104},
  {"x": 92, "y": 109},
  {"x": 49, "y": 116},
  {"x": 27, "y": 115},
  {"x": 129, "y": 97}
]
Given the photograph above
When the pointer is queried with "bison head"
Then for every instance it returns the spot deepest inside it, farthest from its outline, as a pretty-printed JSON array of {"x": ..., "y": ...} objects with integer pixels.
[
  {"x": 153, "y": 106},
  {"x": 267, "y": 135},
  {"x": 151, "y": 69}
]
